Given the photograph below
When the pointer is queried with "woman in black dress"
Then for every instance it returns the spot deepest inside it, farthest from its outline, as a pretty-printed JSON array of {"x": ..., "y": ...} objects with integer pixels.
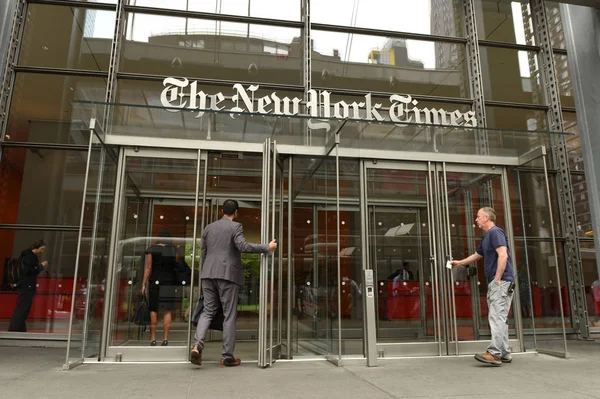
[
  {"x": 31, "y": 267},
  {"x": 159, "y": 282}
]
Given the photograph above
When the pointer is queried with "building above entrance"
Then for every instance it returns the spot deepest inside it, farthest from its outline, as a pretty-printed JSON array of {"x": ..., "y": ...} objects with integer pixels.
[{"x": 235, "y": 128}]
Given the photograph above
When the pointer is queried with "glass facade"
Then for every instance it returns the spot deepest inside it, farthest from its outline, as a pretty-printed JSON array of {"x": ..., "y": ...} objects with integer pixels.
[{"x": 363, "y": 136}]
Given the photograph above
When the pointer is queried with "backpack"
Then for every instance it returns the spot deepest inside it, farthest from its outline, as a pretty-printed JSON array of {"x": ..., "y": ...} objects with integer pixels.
[{"x": 14, "y": 271}]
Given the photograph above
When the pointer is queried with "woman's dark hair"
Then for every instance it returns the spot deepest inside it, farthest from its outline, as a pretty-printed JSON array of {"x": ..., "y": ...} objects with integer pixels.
[
  {"x": 164, "y": 237},
  {"x": 38, "y": 244}
]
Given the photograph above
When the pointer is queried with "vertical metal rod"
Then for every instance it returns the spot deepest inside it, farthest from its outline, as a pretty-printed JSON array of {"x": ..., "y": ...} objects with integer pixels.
[
  {"x": 526, "y": 257},
  {"x": 191, "y": 283},
  {"x": 264, "y": 259},
  {"x": 440, "y": 277},
  {"x": 112, "y": 255},
  {"x": 273, "y": 236},
  {"x": 509, "y": 227},
  {"x": 339, "y": 261},
  {"x": 364, "y": 233},
  {"x": 290, "y": 259},
  {"x": 562, "y": 316},
  {"x": 93, "y": 246},
  {"x": 280, "y": 256},
  {"x": 203, "y": 223},
  {"x": 80, "y": 234},
  {"x": 435, "y": 283},
  {"x": 449, "y": 257}
]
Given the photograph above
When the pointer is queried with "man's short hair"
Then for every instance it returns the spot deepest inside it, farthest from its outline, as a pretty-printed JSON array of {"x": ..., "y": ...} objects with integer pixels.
[
  {"x": 230, "y": 206},
  {"x": 490, "y": 212}
]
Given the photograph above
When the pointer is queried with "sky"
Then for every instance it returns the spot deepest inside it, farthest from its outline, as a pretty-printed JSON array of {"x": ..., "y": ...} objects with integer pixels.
[{"x": 402, "y": 15}]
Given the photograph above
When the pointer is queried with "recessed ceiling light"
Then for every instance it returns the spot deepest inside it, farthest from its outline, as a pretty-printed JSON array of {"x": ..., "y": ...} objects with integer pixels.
[{"x": 45, "y": 48}]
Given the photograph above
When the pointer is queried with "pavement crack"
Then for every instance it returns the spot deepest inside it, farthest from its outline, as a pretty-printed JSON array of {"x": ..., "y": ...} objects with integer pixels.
[{"x": 371, "y": 384}]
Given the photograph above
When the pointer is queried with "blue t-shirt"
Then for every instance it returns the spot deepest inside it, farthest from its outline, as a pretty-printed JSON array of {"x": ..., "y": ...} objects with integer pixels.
[{"x": 493, "y": 239}]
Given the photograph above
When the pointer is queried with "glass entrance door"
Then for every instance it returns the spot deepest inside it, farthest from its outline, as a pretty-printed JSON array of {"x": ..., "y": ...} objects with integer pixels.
[
  {"x": 272, "y": 314},
  {"x": 419, "y": 216},
  {"x": 157, "y": 219}
]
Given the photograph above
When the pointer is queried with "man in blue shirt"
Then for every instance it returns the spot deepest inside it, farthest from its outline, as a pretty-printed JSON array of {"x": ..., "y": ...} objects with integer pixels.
[{"x": 499, "y": 273}]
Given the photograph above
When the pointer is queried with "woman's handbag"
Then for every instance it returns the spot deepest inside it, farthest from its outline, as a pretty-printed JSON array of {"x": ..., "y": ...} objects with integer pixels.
[{"x": 142, "y": 312}]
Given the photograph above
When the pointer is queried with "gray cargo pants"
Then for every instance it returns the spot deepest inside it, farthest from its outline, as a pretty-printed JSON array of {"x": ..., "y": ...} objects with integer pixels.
[{"x": 499, "y": 300}]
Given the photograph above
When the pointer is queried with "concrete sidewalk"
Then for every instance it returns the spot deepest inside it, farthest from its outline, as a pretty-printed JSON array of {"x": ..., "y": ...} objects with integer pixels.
[{"x": 36, "y": 373}]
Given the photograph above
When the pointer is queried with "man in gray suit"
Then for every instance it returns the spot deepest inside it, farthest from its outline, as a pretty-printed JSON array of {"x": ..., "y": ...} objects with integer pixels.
[{"x": 223, "y": 242}]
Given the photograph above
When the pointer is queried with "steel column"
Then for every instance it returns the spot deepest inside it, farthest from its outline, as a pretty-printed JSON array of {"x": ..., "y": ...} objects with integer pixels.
[
  {"x": 115, "y": 55},
  {"x": 16, "y": 34},
  {"x": 474, "y": 58},
  {"x": 560, "y": 161}
]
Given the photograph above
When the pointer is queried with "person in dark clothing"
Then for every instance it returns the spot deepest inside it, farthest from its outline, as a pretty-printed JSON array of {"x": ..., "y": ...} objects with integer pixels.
[
  {"x": 31, "y": 265},
  {"x": 160, "y": 283}
]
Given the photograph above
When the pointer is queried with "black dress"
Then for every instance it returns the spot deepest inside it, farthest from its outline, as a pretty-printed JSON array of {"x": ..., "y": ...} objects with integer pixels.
[
  {"x": 162, "y": 288},
  {"x": 27, "y": 287}
]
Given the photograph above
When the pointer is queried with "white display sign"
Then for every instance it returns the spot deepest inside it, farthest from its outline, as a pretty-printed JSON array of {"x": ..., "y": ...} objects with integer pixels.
[{"x": 183, "y": 94}]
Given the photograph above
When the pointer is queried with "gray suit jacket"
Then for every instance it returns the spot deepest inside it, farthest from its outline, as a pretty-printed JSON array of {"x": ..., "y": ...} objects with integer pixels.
[{"x": 223, "y": 242}]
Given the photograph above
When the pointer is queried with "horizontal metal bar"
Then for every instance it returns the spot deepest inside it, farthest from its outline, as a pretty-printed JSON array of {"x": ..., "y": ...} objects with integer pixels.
[
  {"x": 79, "y": 4},
  {"x": 213, "y": 82},
  {"x": 512, "y": 46},
  {"x": 60, "y": 71},
  {"x": 215, "y": 17},
  {"x": 387, "y": 33},
  {"x": 539, "y": 239},
  {"x": 39, "y": 227},
  {"x": 532, "y": 155},
  {"x": 568, "y": 109},
  {"x": 559, "y": 51},
  {"x": 506, "y": 104},
  {"x": 49, "y": 146}
]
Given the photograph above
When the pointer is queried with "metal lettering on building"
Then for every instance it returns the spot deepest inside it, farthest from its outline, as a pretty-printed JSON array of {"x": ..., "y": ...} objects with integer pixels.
[{"x": 181, "y": 94}]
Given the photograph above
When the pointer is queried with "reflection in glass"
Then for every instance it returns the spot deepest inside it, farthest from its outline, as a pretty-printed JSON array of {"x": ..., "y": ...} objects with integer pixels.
[
  {"x": 591, "y": 278},
  {"x": 438, "y": 17},
  {"x": 555, "y": 28},
  {"x": 531, "y": 214},
  {"x": 281, "y": 9},
  {"x": 143, "y": 221},
  {"x": 175, "y": 46},
  {"x": 565, "y": 86},
  {"x": 505, "y": 21},
  {"x": 42, "y": 111},
  {"x": 45, "y": 186},
  {"x": 511, "y": 75},
  {"x": 67, "y": 37},
  {"x": 573, "y": 142},
  {"x": 515, "y": 119},
  {"x": 377, "y": 63},
  {"x": 538, "y": 284},
  {"x": 51, "y": 307}
]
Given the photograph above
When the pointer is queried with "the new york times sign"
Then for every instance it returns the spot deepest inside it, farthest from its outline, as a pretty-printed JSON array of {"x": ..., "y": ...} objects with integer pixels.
[{"x": 182, "y": 94}]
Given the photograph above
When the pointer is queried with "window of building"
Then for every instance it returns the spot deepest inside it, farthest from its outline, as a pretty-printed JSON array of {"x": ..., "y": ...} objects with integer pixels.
[
  {"x": 67, "y": 37},
  {"x": 435, "y": 17}
]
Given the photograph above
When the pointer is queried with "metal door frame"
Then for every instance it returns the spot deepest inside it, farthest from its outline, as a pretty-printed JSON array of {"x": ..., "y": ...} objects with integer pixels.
[
  {"x": 137, "y": 353},
  {"x": 445, "y": 324},
  {"x": 270, "y": 345}
]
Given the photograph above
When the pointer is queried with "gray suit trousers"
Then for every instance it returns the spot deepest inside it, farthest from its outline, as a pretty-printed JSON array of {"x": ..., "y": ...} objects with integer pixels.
[{"x": 227, "y": 293}]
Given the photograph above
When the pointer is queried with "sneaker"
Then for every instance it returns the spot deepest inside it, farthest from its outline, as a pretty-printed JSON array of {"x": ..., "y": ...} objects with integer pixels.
[
  {"x": 488, "y": 358},
  {"x": 196, "y": 356},
  {"x": 230, "y": 362}
]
